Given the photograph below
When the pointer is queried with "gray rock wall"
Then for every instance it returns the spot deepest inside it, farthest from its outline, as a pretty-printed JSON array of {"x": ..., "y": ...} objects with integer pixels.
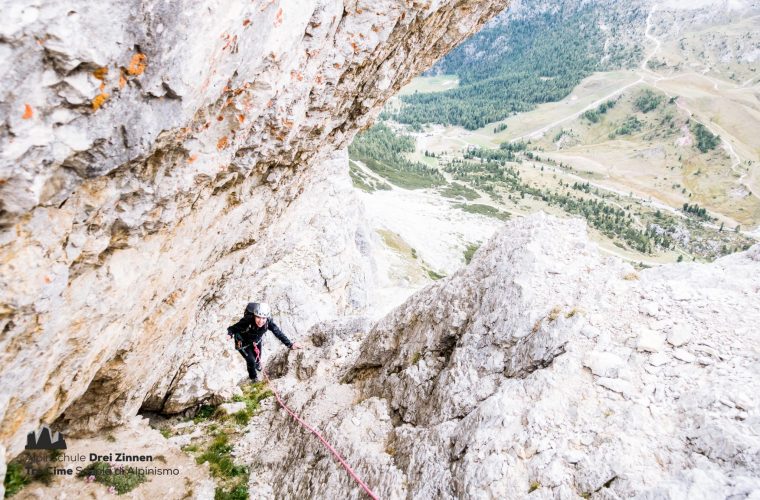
[
  {"x": 148, "y": 151},
  {"x": 543, "y": 369}
]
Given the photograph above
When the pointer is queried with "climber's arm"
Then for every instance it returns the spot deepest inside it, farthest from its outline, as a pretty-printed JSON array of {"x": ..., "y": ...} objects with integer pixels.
[
  {"x": 237, "y": 328},
  {"x": 281, "y": 336}
]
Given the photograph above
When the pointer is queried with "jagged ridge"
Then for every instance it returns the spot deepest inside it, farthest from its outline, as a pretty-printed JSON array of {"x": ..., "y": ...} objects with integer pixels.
[{"x": 542, "y": 366}]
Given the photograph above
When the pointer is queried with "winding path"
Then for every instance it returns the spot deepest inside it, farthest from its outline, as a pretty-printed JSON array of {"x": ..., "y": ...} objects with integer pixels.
[{"x": 649, "y": 77}]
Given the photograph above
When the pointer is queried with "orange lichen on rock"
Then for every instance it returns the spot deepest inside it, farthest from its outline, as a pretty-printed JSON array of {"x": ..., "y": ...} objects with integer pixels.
[
  {"x": 296, "y": 75},
  {"x": 138, "y": 64},
  {"x": 222, "y": 143},
  {"x": 278, "y": 18},
  {"x": 183, "y": 133},
  {"x": 246, "y": 22},
  {"x": 100, "y": 73},
  {"x": 122, "y": 81},
  {"x": 241, "y": 118},
  {"x": 28, "y": 113},
  {"x": 98, "y": 101},
  {"x": 231, "y": 41},
  {"x": 192, "y": 158}
]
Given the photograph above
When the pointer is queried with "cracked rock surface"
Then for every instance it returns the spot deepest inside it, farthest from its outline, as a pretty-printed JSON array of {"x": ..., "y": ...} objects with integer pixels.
[
  {"x": 522, "y": 375},
  {"x": 155, "y": 167}
]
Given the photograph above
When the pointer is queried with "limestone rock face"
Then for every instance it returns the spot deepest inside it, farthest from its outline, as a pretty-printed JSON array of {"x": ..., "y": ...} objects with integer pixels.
[
  {"x": 313, "y": 262},
  {"x": 522, "y": 373},
  {"x": 148, "y": 153}
]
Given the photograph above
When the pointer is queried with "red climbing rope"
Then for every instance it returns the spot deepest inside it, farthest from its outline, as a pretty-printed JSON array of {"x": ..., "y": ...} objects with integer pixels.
[{"x": 314, "y": 431}]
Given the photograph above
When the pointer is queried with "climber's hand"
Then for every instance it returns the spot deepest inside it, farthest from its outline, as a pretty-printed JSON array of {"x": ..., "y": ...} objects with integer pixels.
[
  {"x": 239, "y": 344},
  {"x": 294, "y": 346}
]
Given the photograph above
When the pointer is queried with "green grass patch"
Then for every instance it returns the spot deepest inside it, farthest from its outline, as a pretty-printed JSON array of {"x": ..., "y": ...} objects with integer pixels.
[
  {"x": 706, "y": 140},
  {"x": 242, "y": 417},
  {"x": 382, "y": 151},
  {"x": 219, "y": 457},
  {"x": 487, "y": 210},
  {"x": 470, "y": 251},
  {"x": 647, "y": 101},
  {"x": 434, "y": 275},
  {"x": 405, "y": 178},
  {"x": 15, "y": 479},
  {"x": 430, "y": 84},
  {"x": 122, "y": 479},
  {"x": 254, "y": 394},
  {"x": 594, "y": 115},
  {"x": 629, "y": 126},
  {"x": 395, "y": 242},
  {"x": 456, "y": 189},
  {"x": 234, "y": 478},
  {"x": 237, "y": 492},
  {"x": 30, "y": 466},
  {"x": 364, "y": 182},
  {"x": 359, "y": 181},
  {"x": 205, "y": 412}
]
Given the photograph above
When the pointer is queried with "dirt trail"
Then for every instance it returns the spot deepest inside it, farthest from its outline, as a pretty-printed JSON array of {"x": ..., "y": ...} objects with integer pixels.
[
  {"x": 541, "y": 131},
  {"x": 649, "y": 77},
  {"x": 654, "y": 79}
]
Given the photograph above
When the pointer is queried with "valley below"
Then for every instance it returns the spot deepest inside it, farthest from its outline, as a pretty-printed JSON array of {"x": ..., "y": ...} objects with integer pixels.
[{"x": 661, "y": 159}]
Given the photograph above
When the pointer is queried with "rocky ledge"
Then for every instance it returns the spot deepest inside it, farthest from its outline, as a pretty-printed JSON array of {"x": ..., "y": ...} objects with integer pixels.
[
  {"x": 148, "y": 153},
  {"x": 542, "y": 369}
]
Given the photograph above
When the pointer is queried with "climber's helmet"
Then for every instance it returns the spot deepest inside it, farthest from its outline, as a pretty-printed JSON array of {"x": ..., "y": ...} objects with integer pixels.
[
  {"x": 262, "y": 310},
  {"x": 258, "y": 310}
]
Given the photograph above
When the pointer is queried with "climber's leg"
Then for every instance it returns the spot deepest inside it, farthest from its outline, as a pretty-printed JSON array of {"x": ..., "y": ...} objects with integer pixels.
[{"x": 250, "y": 362}]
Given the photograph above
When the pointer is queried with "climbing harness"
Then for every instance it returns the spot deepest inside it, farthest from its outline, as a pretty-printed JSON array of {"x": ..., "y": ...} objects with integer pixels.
[{"x": 307, "y": 426}]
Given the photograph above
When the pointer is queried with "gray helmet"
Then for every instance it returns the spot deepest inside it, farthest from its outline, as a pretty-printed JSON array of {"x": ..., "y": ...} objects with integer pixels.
[{"x": 260, "y": 309}]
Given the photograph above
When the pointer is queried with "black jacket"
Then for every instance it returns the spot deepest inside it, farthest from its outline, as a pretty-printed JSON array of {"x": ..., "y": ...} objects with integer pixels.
[{"x": 248, "y": 332}]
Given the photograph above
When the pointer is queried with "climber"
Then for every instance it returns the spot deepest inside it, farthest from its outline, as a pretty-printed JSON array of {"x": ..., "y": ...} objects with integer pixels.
[{"x": 250, "y": 330}]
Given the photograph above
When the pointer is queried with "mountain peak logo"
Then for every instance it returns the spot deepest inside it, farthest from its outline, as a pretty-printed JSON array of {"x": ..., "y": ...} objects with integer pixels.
[{"x": 45, "y": 439}]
